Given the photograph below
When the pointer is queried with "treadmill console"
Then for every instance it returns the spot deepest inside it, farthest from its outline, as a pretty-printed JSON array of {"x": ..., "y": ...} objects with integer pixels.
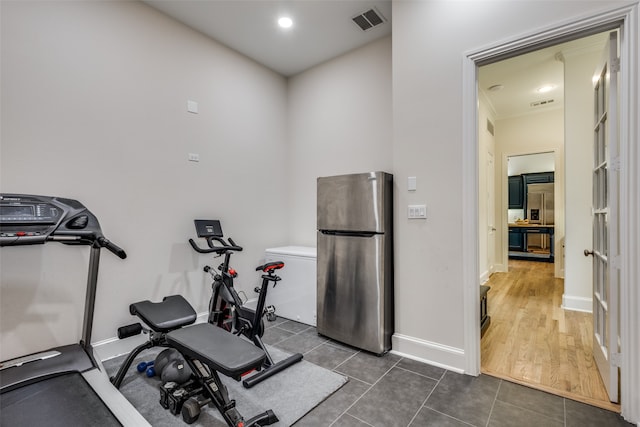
[{"x": 29, "y": 219}]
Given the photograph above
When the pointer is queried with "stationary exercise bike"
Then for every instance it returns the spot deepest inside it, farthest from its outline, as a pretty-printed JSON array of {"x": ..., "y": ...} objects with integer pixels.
[{"x": 226, "y": 308}]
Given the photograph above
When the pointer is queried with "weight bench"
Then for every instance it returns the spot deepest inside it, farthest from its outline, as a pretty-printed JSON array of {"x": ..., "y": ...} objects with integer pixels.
[{"x": 207, "y": 349}]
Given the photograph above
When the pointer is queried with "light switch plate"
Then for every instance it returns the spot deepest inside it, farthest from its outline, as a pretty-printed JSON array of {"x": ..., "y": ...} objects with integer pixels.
[
  {"x": 417, "y": 212},
  {"x": 411, "y": 183}
]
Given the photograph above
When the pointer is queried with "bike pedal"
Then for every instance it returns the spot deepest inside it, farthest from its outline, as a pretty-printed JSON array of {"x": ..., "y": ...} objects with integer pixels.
[{"x": 270, "y": 312}]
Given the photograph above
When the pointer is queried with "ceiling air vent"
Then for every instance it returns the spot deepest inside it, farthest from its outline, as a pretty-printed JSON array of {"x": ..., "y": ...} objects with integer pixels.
[
  {"x": 541, "y": 103},
  {"x": 368, "y": 19}
]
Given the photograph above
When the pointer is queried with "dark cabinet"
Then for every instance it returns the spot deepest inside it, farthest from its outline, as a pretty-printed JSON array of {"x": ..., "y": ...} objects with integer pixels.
[
  {"x": 518, "y": 187},
  {"x": 516, "y": 240},
  {"x": 516, "y": 192},
  {"x": 485, "y": 319},
  {"x": 538, "y": 178}
]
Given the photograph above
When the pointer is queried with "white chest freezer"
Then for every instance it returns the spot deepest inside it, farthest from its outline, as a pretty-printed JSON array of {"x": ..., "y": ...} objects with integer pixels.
[{"x": 294, "y": 297}]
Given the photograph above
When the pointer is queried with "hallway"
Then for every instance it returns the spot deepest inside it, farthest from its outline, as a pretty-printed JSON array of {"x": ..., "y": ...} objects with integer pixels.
[{"x": 533, "y": 341}]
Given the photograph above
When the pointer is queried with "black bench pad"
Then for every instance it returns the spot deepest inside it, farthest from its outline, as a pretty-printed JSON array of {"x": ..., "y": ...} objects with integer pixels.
[
  {"x": 220, "y": 350},
  {"x": 173, "y": 312}
]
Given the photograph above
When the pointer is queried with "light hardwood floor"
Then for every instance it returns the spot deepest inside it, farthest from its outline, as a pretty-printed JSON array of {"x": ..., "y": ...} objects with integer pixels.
[{"x": 533, "y": 341}]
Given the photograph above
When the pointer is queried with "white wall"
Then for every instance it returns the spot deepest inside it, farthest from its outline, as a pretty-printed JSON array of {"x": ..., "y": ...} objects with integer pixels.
[
  {"x": 340, "y": 122},
  {"x": 430, "y": 40},
  {"x": 579, "y": 70},
  {"x": 94, "y": 108},
  {"x": 531, "y": 163}
]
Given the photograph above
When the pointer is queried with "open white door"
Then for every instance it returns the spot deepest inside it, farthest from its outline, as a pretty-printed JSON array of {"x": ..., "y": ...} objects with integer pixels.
[
  {"x": 491, "y": 213},
  {"x": 605, "y": 251}
]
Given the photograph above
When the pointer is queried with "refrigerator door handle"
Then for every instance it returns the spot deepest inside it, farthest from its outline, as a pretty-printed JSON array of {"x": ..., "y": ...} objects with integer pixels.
[{"x": 349, "y": 233}]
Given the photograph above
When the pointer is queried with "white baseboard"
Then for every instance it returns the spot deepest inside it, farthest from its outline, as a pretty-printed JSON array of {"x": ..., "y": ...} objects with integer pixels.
[
  {"x": 500, "y": 268},
  {"x": 440, "y": 355},
  {"x": 577, "y": 303},
  {"x": 114, "y": 347},
  {"x": 484, "y": 277}
]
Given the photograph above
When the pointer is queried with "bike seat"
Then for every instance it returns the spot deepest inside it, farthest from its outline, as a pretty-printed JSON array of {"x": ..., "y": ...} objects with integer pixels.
[
  {"x": 270, "y": 266},
  {"x": 173, "y": 312}
]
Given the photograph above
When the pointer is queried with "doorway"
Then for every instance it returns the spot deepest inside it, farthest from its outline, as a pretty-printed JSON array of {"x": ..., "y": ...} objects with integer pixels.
[
  {"x": 531, "y": 206},
  {"x": 524, "y": 126},
  {"x": 625, "y": 18}
]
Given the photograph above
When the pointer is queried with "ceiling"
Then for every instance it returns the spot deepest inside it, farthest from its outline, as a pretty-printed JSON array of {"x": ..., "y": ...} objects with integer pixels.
[
  {"x": 521, "y": 76},
  {"x": 322, "y": 29}
]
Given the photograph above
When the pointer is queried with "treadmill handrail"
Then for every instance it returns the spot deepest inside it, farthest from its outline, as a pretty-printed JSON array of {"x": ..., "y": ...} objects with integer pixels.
[{"x": 112, "y": 247}]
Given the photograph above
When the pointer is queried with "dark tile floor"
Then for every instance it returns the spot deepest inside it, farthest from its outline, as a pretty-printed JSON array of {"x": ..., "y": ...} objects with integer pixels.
[{"x": 395, "y": 391}]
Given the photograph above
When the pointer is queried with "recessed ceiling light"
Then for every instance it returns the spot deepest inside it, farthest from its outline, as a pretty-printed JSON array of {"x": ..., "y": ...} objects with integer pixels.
[
  {"x": 496, "y": 88},
  {"x": 545, "y": 89},
  {"x": 285, "y": 22}
]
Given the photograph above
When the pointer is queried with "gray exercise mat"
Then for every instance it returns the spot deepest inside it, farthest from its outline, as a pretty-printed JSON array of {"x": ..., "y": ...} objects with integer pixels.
[{"x": 290, "y": 394}]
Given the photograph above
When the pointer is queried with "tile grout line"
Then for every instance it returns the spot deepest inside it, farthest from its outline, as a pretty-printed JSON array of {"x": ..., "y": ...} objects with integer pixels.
[
  {"x": 428, "y": 395},
  {"x": 424, "y": 405},
  {"x": 437, "y": 380},
  {"x": 449, "y": 416},
  {"x": 521, "y": 408},
  {"x": 326, "y": 340},
  {"x": 494, "y": 403},
  {"x": 345, "y": 361},
  {"x": 293, "y": 334},
  {"x": 365, "y": 392},
  {"x": 362, "y": 421}
]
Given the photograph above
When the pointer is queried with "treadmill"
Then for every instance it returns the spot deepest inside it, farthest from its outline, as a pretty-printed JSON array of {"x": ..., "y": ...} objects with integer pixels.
[{"x": 62, "y": 386}]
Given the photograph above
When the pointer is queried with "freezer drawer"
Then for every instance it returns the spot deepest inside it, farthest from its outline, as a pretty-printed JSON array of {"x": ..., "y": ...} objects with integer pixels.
[
  {"x": 356, "y": 202},
  {"x": 355, "y": 291}
]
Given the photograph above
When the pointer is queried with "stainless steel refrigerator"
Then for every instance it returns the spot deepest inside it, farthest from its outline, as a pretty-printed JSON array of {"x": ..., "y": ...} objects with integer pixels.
[
  {"x": 355, "y": 260},
  {"x": 540, "y": 211}
]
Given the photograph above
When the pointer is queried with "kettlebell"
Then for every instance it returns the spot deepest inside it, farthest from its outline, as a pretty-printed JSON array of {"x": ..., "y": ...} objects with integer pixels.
[
  {"x": 163, "y": 358},
  {"x": 177, "y": 371}
]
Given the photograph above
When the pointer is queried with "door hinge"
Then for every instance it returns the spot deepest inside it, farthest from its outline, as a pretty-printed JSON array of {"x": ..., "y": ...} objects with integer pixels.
[
  {"x": 616, "y": 359},
  {"x": 615, "y": 65}
]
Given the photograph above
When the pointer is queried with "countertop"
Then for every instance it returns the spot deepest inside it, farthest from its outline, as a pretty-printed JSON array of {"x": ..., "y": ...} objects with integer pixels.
[{"x": 513, "y": 224}]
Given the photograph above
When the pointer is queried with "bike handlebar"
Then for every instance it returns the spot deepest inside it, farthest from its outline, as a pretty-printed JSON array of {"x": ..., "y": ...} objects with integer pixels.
[{"x": 213, "y": 248}]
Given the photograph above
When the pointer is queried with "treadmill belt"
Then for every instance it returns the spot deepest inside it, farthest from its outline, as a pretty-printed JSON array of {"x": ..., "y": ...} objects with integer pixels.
[{"x": 66, "y": 400}]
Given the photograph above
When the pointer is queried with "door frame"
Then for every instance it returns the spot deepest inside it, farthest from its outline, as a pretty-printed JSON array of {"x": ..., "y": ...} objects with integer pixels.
[{"x": 626, "y": 19}]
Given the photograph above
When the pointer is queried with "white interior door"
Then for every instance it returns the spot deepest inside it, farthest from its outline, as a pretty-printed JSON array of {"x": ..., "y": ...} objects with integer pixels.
[
  {"x": 491, "y": 213},
  {"x": 605, "y": 251}
]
